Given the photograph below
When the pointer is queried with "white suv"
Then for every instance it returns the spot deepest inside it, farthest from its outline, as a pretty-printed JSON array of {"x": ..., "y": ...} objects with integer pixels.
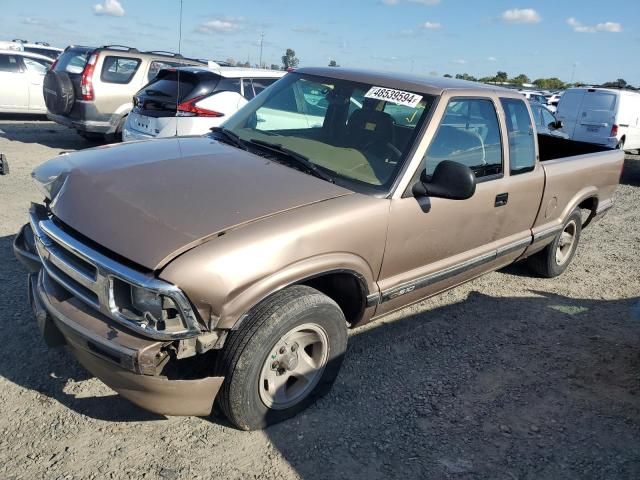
[{"x": 192, "y": 100}]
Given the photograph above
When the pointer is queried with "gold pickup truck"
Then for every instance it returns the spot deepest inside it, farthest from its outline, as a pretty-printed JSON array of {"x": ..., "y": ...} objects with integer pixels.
[{"x": 227, "y": 268}]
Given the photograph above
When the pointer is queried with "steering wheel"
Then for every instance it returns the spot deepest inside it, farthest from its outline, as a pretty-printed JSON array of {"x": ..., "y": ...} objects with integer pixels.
[{"x": 389, "y": 147}]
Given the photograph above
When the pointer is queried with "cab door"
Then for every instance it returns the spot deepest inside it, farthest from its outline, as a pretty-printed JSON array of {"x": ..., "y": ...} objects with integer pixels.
[
  {"x": 436, "y": 243},
  {"x": 14, "y": 86}
]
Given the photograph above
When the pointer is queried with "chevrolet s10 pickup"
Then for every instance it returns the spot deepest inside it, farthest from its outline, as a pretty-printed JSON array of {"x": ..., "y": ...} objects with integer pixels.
[{"x": 226, "y": 269}]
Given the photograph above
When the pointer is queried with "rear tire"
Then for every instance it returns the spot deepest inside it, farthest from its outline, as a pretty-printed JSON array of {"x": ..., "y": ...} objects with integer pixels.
[
  {"x": 59, "y": 94},
  {"x": 556, "y": 257},
  {"x": 284, "y": 356}
]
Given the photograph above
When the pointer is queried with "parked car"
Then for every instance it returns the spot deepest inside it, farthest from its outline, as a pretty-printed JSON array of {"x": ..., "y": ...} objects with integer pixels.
[
  {"x": 191, "y": 100},
  {"x": 552, "y": 101},
  {"x": 11, "y": 45},
  {"x": 90, "y": 89},
  {"x": 228, "y": 266},
  {"x": 21, "y": 77},
  {"x": 43, "y": 48},
  {"x": 537, "y": 97},
  {"x": 546, "y": 122},
  {"x": 601, "y": 115}
]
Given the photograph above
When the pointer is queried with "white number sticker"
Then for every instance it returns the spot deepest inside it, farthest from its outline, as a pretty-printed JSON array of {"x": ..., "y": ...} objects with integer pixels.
[{"x": 394, "y": 96}]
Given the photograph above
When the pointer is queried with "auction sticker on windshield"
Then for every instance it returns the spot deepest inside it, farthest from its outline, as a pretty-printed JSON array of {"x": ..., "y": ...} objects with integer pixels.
[{"x": 395, "y": 96}]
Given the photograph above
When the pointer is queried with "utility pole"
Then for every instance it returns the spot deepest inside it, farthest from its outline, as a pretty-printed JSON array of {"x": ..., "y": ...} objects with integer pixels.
[{"x": 261, "y": 43}]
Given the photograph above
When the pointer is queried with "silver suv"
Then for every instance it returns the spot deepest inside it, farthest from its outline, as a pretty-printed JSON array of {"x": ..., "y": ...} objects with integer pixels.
[{"x": 91, "y": 89}]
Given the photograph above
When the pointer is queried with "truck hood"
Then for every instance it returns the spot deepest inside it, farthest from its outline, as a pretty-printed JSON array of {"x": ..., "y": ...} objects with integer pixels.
[{"x": 152, "y": 200}]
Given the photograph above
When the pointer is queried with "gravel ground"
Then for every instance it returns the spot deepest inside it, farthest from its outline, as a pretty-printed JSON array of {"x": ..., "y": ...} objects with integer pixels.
[{"x": 506, "y": 377}]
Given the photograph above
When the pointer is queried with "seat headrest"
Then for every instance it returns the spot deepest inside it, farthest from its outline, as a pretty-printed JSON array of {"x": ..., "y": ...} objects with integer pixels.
[{"x": 372, "y": 124}]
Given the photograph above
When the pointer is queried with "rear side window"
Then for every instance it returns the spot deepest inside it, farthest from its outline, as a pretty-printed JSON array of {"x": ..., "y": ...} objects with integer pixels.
[
  {"x": 119, "y": 69},
  {"x": 228, "y": 85},
  {"x": 73, "y": 60},
  {"x": 469, "y": 134},
  {"x": 36, "y": 65},
  {"x": 9, "y": 63},
  {"x": 259, "y": 84},
  {"x": 522, "y": 154}
]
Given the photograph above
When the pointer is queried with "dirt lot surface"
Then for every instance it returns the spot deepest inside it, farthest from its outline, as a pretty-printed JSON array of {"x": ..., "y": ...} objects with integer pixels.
[{"x": 506, "y": 377}]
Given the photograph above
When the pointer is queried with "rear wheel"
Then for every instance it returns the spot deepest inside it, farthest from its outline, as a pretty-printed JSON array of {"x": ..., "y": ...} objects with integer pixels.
[
  {"x": 283, "y": 357},
  {"x": 556, "y": 257},
  {"x": 620, "y": 145},
  {"x": 59, "y": 95}
]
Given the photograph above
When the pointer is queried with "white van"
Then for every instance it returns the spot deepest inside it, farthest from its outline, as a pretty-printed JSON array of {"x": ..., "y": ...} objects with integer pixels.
[{"x": 601, "y": 115}]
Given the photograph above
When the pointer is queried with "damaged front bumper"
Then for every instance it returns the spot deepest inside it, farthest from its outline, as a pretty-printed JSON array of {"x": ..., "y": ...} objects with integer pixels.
[{"x": 129, "y": 363}]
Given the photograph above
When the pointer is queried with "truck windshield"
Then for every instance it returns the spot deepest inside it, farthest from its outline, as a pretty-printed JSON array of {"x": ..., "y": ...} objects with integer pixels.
[{"x": 359, "y": 134}]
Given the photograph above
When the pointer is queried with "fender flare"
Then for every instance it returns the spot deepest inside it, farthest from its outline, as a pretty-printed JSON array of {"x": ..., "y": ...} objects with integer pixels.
[
  {"x": 584, "y": 194},
  {"x": 241, "y": 304}
]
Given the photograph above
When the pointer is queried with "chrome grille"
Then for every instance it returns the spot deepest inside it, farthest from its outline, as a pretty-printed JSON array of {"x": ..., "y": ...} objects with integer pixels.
[{"x": 89, "y": 276}]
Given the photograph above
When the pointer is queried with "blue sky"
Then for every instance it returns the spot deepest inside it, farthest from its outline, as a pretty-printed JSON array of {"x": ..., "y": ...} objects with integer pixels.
[{"x": 585, "y": 39}]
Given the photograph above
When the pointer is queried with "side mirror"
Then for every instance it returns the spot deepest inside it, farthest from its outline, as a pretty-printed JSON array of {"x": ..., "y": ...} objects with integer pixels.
[
  {"x": 450, "y": 180},
  {"x": 556, "y": 125}
]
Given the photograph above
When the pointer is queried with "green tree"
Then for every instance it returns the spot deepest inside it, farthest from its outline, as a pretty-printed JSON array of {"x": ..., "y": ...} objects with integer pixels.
[
  {"x": 619, "y": 83},
  {"x": 466, "y": 76},
  {"x": 501, "y": 77},
  {"x": 333, "y": 63},
  {"x": 289, "y": 59},
  {"x": 275, "y": 66},
  {"x": 520, "y": 79},
  {"x": 553, "y": 83},
  {"x": 446, "y": 75}
]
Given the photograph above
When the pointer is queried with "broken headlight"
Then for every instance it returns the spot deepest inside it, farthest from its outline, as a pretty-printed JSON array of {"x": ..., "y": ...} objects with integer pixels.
[{"x": 148, "y": 308}]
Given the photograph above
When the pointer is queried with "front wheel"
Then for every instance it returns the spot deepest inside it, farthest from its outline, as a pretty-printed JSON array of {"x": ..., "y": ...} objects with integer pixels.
[
  {"x": 284, "y": 356},
  {"x": 556, "y": 257}
]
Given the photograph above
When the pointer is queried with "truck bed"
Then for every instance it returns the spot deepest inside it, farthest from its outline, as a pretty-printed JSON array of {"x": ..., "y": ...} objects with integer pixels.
[
  {"x": 577, "y": 174},
  {"x": 552, "y": 148}
]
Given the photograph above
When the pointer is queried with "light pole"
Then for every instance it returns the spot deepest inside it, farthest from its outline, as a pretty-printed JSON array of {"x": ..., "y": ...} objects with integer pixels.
[{"x": 261, "y": 43}]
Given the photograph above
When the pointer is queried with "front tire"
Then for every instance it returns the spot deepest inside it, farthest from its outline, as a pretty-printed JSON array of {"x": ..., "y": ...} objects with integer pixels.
[
  {"x": 556, "y": 257},
  {"x": 284, "y": 356}
]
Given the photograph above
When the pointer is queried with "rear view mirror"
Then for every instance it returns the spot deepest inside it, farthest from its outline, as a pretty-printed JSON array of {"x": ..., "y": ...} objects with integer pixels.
[{"x": 450, "y": 180}]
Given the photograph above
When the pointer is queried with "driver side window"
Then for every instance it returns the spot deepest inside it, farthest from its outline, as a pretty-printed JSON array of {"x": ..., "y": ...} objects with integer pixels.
[{"x": 469, "y": 134}]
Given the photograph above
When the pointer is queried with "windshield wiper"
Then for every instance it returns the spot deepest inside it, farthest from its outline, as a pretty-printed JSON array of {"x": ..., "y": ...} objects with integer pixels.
[
  {"x": 230, "y": 137},
  {"x": 297, "y": 158}
]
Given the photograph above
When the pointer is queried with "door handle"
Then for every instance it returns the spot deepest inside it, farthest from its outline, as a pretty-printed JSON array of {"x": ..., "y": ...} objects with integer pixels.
[{"x": 501, "y": 199}]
